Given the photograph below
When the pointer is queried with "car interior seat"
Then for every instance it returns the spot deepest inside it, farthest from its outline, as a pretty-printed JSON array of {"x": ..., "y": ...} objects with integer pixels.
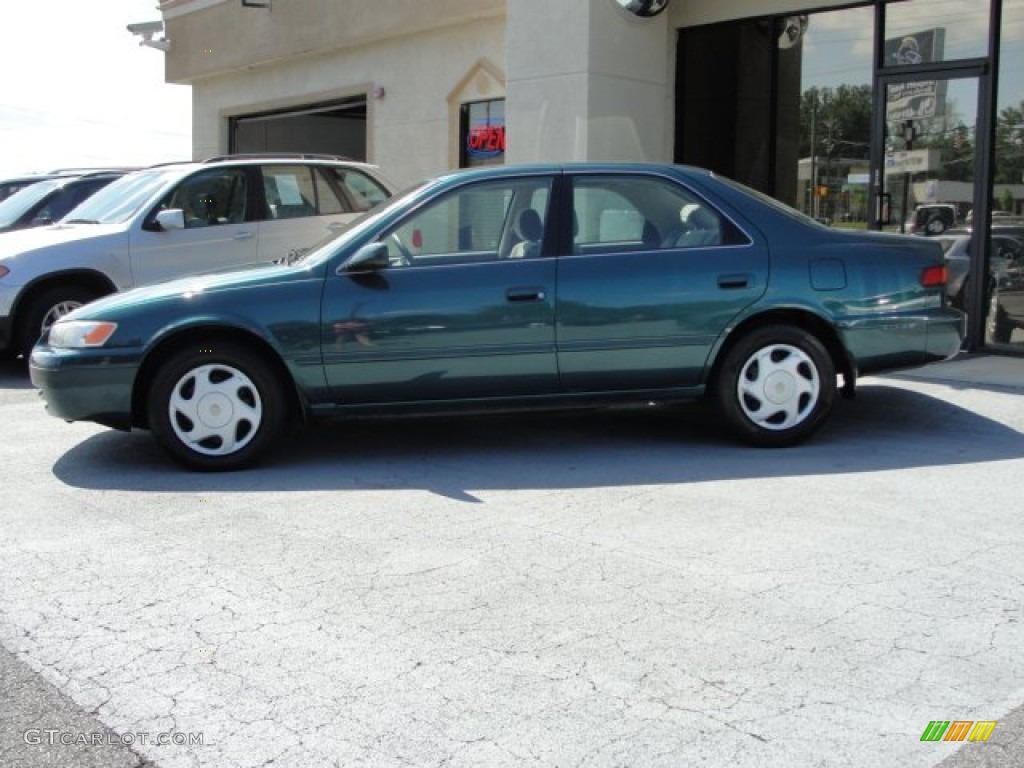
[
  {"x": 529, "y": 229},
  {"x": 699, "y": 228}
]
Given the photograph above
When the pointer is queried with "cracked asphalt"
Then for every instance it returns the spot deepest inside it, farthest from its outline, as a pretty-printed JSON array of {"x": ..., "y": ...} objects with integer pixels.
[{"x": 617, "y": 588}]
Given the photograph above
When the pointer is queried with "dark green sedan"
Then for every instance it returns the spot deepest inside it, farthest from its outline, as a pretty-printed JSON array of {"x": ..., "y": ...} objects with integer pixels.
[{"x": 513, "y": 287}]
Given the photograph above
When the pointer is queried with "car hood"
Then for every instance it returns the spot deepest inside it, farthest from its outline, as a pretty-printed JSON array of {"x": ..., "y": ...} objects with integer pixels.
[
  {"x": 184, "y": 288},
  {"x": 23, "y": 241}
]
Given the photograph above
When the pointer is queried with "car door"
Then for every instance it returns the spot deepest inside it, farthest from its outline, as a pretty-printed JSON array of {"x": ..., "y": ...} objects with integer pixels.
[
  {"x": 459, "y": 312},
  {"x": 307, "y": 203},
  {"x": 654, "y": 276},
  {"x": 219, "y": 228}
]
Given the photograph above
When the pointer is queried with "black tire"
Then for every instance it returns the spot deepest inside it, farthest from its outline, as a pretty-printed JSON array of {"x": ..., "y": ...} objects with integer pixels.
[
  {"x": 960, "y": 300},
  {"x": 244, "y": 407},
  {"x": 999, "y": 326},
  {"x": 797, "y": 367},
  {"x": 44, "y": 308}
]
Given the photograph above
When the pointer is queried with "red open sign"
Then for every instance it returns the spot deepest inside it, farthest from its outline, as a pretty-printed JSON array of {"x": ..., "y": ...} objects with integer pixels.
[{"x": 486, "y": 140}]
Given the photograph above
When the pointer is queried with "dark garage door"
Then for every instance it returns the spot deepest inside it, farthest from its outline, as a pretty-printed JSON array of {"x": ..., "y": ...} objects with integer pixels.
[{"x": 338, "y": 128}]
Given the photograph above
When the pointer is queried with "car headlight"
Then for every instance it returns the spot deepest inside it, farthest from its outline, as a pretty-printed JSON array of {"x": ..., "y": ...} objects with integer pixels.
[{"x": 78, "y": 334}]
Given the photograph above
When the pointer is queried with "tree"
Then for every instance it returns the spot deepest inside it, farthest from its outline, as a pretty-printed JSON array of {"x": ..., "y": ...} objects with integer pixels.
[
  {"x": 1010, "y": 145},
  {"x": 840, "y": 117}
]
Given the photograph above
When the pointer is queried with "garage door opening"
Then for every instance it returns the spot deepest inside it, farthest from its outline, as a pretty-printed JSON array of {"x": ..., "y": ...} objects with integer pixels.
[{"x": 335, "y": 128}]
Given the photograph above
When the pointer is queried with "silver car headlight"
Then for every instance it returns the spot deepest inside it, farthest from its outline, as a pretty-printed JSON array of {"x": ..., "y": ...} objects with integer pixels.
[{"x": 81, "y": 334}]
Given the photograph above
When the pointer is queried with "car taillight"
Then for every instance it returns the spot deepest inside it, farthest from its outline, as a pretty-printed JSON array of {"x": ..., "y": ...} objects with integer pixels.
[{"x": 934, "y": 277}]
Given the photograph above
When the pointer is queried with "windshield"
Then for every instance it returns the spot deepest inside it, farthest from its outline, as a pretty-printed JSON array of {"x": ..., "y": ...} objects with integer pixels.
[
  {"x": 15, "y": 206},
  {"x": 119, "y": 200}
]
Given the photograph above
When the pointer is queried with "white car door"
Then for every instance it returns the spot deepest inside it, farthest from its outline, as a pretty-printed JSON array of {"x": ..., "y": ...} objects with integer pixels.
[
  {"x": 218, "y": 234},
  {"x": 307, "y": 204}
]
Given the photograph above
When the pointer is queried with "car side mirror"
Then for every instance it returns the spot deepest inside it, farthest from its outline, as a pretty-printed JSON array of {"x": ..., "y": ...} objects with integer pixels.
[
  {"x": 369, "y": 258},
  {"x": 171, "y": 218}
]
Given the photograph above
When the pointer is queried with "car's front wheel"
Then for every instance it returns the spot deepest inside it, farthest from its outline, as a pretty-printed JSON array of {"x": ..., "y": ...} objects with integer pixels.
[
  {"x": 46, "y": 308},
  {"x": 216, "y": 406},
  {"x": 776, "y": 385}
]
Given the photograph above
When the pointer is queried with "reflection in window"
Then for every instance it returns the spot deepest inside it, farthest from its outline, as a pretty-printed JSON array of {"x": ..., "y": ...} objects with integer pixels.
[
  {"x": 936, "y": 30},
  {"x": 1006, "y": 305},
  {"x": 835, "y": 117}
]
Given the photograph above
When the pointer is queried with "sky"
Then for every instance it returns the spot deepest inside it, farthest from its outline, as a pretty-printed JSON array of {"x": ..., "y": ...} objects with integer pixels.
[{"x": 76, "y": 89}]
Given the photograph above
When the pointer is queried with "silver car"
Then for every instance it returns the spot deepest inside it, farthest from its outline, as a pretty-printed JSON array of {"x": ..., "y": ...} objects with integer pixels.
[
  {"x": 956, "y": 245},
  {"x": 173, "y": 220}
]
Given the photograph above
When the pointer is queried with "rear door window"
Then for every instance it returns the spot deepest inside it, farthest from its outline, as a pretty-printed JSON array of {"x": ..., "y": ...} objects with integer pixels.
[
  {"x": 290, "y": 191},
  {"x": 636, "y": 213}
]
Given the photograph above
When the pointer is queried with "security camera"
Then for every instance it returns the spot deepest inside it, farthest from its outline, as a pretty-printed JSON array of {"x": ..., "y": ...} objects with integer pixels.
[{"x": 146, "y": 28}]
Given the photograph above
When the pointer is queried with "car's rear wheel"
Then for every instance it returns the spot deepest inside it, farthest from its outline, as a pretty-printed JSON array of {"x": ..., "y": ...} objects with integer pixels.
[
  {"x": 216, "y": 406},
  {"x": 776, "y": 385},
  {"x": 46, "y": 308}
]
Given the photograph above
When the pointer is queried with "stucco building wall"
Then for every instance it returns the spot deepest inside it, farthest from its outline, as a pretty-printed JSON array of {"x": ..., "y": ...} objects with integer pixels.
[{"x": 582, "y": 80}]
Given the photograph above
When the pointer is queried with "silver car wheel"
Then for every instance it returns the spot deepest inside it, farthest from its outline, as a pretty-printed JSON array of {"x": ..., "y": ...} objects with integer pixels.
[
  {"x": 215, "y": 409},
  {"x": 56, "y": 312},
  {"x": 778, "y": 387}
]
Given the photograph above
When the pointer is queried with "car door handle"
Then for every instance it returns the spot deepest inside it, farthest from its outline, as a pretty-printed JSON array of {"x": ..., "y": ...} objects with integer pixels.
[
  {"x": 242, "y": 236},
  {"x": 729, "y": 282},
  {"x": 525, "y": 294},
  {"x": 336, "y": 226}
]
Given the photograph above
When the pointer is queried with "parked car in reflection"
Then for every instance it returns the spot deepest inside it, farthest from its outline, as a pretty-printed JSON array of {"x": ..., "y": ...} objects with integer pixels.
[
  {"x": 956, "y": 245},
  {"x": 933, "y": 218},
  {"x": 514, "y": 287},
  {"x": 1006, "y": 307},
  {"x": 174, "y": 220},
  {"x": 46, "y": 202}
]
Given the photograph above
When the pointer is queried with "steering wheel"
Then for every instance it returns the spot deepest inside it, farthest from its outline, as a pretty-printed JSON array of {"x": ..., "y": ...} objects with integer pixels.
[{"x": 404, "y": 258}]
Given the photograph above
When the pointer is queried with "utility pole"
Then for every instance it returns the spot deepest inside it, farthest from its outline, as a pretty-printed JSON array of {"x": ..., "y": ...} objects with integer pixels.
[{"x": 908, "y": 141}]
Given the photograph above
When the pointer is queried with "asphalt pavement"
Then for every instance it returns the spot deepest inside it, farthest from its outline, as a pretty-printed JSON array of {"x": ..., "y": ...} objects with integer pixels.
[{"x": 613, "y": 588}]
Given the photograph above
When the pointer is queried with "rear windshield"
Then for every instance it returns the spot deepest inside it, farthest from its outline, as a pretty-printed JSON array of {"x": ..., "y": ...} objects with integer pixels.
[{"x": 771, "y": 202}]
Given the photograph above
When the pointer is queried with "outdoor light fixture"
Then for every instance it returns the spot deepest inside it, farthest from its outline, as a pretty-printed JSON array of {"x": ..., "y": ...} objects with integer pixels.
[{"x": 642, "y": 9}]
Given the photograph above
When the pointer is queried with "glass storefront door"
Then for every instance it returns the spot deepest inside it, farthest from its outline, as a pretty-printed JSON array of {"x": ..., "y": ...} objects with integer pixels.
[
  {"x": 927, "y": 184},
  {"x": 928, "y": 170}
]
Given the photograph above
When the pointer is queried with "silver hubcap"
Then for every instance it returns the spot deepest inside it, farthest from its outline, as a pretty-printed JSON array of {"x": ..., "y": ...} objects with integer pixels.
[
  {"x": 56, "y": 312},
  {"x": 778, "y": 387},
  {"x": 215, "y": 409}
]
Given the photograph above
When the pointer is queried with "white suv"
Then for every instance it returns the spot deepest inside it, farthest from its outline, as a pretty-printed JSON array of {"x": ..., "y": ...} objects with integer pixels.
[{"x": 173, "y": 220}]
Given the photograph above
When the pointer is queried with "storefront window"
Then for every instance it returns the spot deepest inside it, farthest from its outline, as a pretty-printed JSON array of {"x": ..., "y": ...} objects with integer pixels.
[
  {"x": 834, "y": 133},
  {"x": 1006, "y": 305},
  {"x": 937, "y": 30},
  {"x": 482, "y": 133}
]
